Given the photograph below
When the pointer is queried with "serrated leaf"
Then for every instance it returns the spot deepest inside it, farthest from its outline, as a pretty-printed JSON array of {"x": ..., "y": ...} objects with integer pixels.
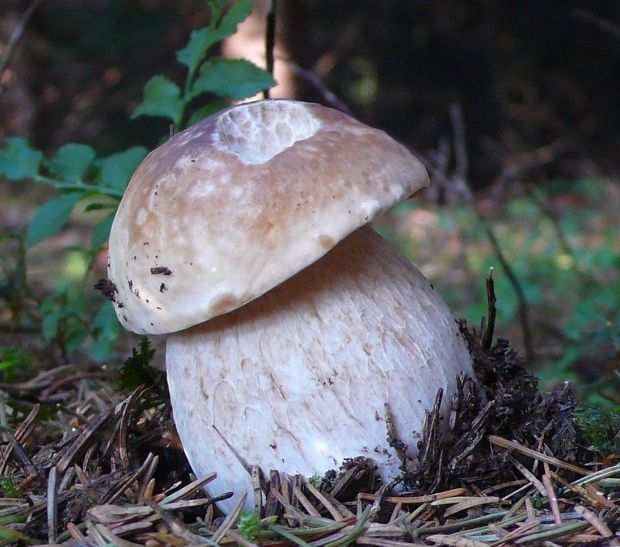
[
  {"x": 233, "y": 78},
  {"x": 18, "y": 160},
  {"x": 238, "y": 13},
  {"x": 162, "y": 97},
  {"x": 116, "y": 170},
  {"x": 101, "y": 232},
  {"x": 71, "y": 161},
  {"x": 201, "y": 40},
  {"x": 51, "y": 217}
]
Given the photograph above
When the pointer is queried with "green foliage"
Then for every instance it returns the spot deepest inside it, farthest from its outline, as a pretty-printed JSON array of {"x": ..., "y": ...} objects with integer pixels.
[
  {"x": 14, "y": 290},
  {"x": 161, "y": 98},
  {"x": 64, "y": 318},
  {"x": 251, "y": 525},
  {"x": 14, "y": 360},
  {"x": 7, "y": 533},
  {"x": 105, "y": 330},
  {"x": 137, "y": 371},
  {"x": 567, "y": 259},
  {"x": 95, "y": 184},
  {"x": 9, "y": 489},
  {"x": 88, "y": 183},
  {"x": 71, "y": 161},
  {"x": 230, "y": 78},
  {"x": 601, "y": 428},
  {"x": 50, "y": 218},
  {"x": 18, "y": 160},
  {"x": 221, "y": 26},
  {"x": 235, "y": 78},
  {"x": 73, "y": 171},
  {"x": 116, "y": 170}
]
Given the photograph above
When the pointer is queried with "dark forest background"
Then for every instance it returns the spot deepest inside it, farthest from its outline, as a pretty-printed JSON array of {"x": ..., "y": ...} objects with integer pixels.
[{"x": 527, "y": 74}]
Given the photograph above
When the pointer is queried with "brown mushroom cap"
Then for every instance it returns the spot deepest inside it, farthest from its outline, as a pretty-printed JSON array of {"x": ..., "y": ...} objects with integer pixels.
[{"x": 238, "y": 203}]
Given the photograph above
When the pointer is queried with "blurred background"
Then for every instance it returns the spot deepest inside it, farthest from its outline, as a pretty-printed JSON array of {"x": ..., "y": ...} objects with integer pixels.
[{"x": 513, "y": 106}]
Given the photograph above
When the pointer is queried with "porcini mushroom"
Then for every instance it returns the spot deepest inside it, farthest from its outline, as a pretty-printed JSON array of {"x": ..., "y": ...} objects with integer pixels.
[{"x": 292, "y": 325}]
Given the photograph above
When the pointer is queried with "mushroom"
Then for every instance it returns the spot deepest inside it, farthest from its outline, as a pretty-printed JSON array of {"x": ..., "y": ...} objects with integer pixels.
[{"x": 295, "y": 331}]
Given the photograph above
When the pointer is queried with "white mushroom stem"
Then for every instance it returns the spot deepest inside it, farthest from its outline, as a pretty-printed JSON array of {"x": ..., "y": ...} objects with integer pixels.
[{"x": 299, "y": 379}]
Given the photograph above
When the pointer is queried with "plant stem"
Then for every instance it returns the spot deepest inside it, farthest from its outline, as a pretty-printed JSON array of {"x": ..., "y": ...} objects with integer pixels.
[
  {"x": 17, "y": 34},
  {"x": 83, "y": 187},
  {"x": 270, "y": 40}
]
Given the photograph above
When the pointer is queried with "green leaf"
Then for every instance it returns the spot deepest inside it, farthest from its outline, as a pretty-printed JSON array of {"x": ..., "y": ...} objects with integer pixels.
[
  {"x": 18, "y": 160},
  {"x": 233, "y": 78},
  {"x": 71, "y": 161},
  {"x": 238, "y": 13},
  {"x": 101, "y": 232},
  {"x": 106, "y": 323},
  {"x": 16, "y": 358},
  {"x": 101, "y": 350},
  {"x": 49, "y": 326},
  {"x": 51, "y": 217},
  {"x": 74, "y": 339},
  {"x": 116, "y": 170},
  {"x": 161, "y": 98},
  {"x": 107, "y": 330},
  {"x": 201, "y": 40},
  {"x": 216, "y": 8}
]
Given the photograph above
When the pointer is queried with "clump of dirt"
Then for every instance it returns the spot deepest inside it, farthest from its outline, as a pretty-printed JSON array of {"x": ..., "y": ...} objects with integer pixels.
[{"x": 503, "y": 402}]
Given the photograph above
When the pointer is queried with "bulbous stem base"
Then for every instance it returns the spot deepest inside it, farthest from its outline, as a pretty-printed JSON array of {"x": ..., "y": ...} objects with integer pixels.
[{"x": 302, "y": 377}]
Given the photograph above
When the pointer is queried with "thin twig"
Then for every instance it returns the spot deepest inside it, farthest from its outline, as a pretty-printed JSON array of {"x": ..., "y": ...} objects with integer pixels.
[
  {"x": 598, "y": 22},
  {"x": 595, "y": 521},
  {"x": 16, "y": 36},
  {"x": 489, "y": 328},
  {"x": 553, "y": 218},
  {"x": 512, "y": 445},
  {"x": 553, "y": 499},
  {"x": 230, "y": 520},
  {"x": 329, "y": 96},
  {"x": 460, "y": 180},
  {"x": 52, "y": 504},
  {"x": 21, "y": 434},
  {"x": 270, "y": 39}
]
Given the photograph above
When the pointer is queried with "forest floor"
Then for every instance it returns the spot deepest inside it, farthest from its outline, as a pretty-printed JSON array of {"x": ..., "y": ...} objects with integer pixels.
[{"x": 87, "y": 465}]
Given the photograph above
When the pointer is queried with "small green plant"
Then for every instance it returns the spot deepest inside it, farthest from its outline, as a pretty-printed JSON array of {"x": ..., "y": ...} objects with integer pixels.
[
  {"x": 9, "y": 534},
  {"x": 14, "y": 290},
  {"x": 601, "y": 428},
  {"x": 13, "y": 361},
  {"x": 137, "y": 372},
  {"x": 10, "y": 489},
  {"x": 83, "y": 180},
  {"x": 251, "y": 525},
  {"x": 229, "y": 78}
]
